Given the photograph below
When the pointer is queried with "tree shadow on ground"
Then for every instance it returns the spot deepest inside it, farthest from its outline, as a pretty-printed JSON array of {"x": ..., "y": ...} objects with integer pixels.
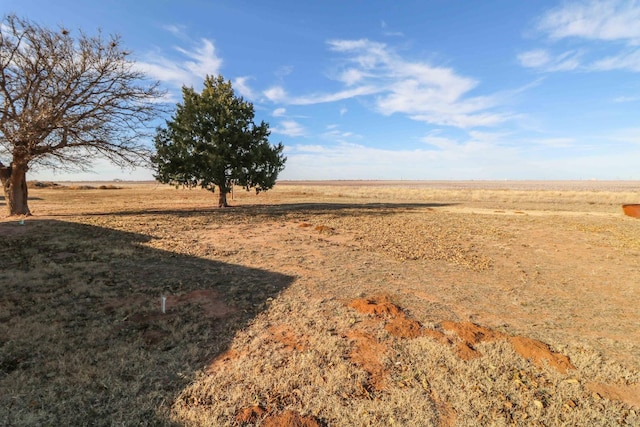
[
  {"x": 83, "y": 340},
  {"x": 3, "y": 203},
  {"x": 279, "y": 209}
]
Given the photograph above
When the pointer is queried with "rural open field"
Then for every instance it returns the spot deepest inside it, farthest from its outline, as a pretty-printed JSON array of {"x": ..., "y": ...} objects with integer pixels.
[{"x": 323, "y": 304}]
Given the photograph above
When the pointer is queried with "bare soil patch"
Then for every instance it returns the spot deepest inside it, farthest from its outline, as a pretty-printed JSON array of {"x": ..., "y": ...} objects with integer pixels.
[{"x": 410, "y": 304}]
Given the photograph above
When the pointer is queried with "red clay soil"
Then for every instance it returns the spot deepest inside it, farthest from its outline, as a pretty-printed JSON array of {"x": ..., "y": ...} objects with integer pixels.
[
  {"x": 537, "y": 351},
  {"x": 366, "y": 353},
  {"x": 379, "y": 305},
  {"x": 399, "y": 325},
  {"x": 530, "y": 349},
  {"x": 403, "y": 327},
  {"x": 629, "y": 394},
  {"x": 471, "y": 333},
  {"x": 253, "y": 414},
  {"x": 250, "y": 415},
  {"x": 289, "y": 419}
]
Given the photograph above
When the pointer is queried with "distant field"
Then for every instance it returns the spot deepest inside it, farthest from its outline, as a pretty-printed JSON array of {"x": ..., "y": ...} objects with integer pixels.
[
  {"x": 337, "y": 303},
  {"x": 592, "y": 185}
]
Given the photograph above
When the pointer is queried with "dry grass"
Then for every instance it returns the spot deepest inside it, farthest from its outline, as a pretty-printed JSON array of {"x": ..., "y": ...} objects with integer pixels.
[{"x": 258, "y": 305}]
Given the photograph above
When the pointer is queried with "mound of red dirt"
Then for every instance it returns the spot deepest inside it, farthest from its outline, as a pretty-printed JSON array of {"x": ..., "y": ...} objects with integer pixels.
[
  {"x": 399, "y": 324},
  {"x": 537, "y": 351},
  {"x": 471, "y": 334},
  {"x": 253, "y": 414},
  {"x": 250, "y": 415},
  {"x": 367, "y": 351},
  {"x": 380, "y": 305}
]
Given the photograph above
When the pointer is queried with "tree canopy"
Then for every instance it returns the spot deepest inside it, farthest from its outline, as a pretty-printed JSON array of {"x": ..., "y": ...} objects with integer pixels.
[
  {"x": 213, "y": 141},
  {"x": 65, "y": 101}
]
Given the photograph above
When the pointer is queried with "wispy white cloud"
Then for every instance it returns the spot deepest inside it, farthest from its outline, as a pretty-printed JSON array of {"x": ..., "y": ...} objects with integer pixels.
[
  {"x": 279, "y": 112},
  {"x": 536, "y": 58},
  {"x": 614, "y": 22},
  {"x": 629, "y": 60},
  {"x": 176, "y": 30},
  {"x": 594, "y": 19},
  {"x": 544, "y": 60},
  {"x": 279, "y": 94},
  {"x": 203, "y": 59},
  {"x": 352, "y": 76},
  {"x": 276, "y": 94},
  {"x": 422, "y": 91},
  {"x": 188, "y": 68},
  {"x": 240, "y": 84},
  {"x": 333, "y": 97},
  {"x": 335, "y": 134},
  {"x": 289, "y": 128},
  {"x": 284, "y": 71}
]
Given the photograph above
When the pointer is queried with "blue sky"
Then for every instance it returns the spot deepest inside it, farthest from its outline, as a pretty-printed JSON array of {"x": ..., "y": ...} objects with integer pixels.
[{"x": 379, "y": 89}]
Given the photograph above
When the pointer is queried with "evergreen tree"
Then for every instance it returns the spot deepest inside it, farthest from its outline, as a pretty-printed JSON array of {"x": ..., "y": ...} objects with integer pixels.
[{"x": 212, "y": 141}]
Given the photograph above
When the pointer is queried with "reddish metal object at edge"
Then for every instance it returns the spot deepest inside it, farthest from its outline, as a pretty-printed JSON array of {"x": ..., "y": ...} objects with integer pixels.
[{"x": 632, "y": 210}]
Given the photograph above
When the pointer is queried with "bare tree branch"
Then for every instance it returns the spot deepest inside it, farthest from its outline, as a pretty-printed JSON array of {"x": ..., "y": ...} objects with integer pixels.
[{"x": 65, "y": 101}]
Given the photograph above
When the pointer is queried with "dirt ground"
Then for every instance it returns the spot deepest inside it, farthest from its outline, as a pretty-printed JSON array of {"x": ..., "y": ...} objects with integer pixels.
[{"x": 323, "y": 303}]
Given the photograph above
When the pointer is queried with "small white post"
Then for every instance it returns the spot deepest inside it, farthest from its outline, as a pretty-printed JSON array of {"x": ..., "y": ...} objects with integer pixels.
[{"x": 164, "y": 304}]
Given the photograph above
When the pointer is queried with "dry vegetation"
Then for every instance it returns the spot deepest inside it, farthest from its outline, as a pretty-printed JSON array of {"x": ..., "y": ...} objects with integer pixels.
[{"x": 338, "y": 304}]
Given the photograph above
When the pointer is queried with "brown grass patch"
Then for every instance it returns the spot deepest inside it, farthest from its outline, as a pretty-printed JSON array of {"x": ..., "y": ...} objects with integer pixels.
[
  {"x": 209, "y": 301},
  {"x": 288, "y": 338}
]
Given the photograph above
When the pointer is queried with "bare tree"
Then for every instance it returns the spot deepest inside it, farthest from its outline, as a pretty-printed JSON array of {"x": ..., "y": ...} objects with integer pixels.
[{"x": 66, "y": 101}]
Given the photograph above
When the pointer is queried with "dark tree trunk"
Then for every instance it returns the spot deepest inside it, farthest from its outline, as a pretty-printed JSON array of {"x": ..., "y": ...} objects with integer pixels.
[
  {"x": 222, "y": 197},
  {"x": 14, "y": 184}
]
